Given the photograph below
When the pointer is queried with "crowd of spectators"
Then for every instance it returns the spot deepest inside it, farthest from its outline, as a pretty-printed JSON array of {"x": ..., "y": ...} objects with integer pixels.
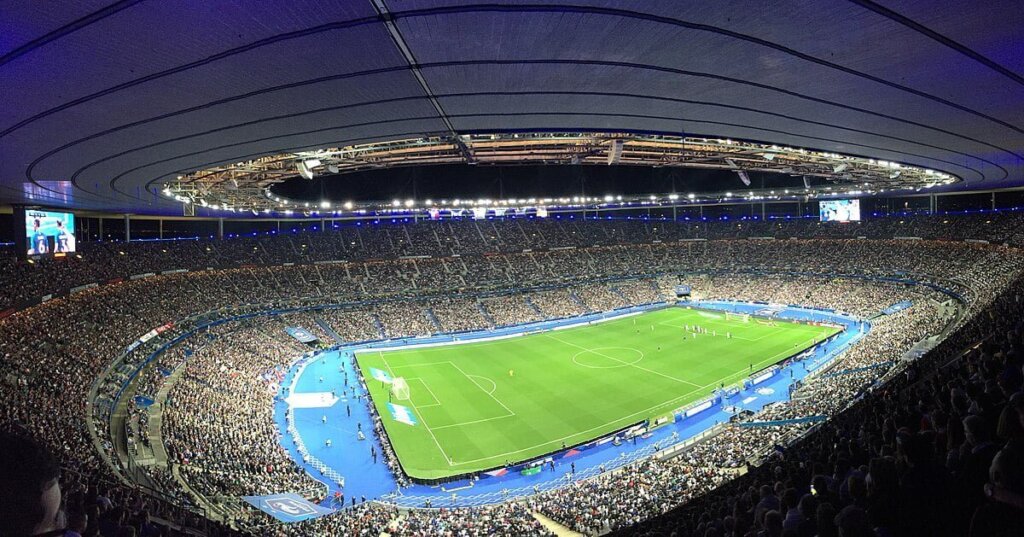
[
  {"x": 936, "y": 262},
  {"x": 370, "y": 518},
  {"x": 351, "y": 324},
  {"x": 713, "y": 460},
  {"x": 218, "y": 425},
  {"x": 105, "y": 261},
  {"x": 917, "y": 429},
  {"x": 618, "y": 500},
  {"x": 644, "y": 291},
  {"x": 456, "y": 314},
  {"x": 599, "y": 297},
  {"x": 736, "y": 446},
  {"x": 405, "y": 319},
  {"x": 847, "y": 295},
  {"x": 557, "y": 303},
  {"x": 511, "y": 309}
]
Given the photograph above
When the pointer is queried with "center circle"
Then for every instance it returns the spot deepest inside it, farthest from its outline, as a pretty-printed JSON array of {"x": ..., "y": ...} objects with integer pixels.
[{"x": 608, "y": 357}]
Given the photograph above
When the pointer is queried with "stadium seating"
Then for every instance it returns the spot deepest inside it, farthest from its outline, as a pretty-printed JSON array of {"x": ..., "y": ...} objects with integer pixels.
[
  {"x": 909, "y": 425},
  {"x": 102, "y": 262}
]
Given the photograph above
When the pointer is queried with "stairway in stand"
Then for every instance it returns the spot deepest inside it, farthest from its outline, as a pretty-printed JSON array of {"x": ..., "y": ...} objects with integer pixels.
[{"x": 555, "y": 527}]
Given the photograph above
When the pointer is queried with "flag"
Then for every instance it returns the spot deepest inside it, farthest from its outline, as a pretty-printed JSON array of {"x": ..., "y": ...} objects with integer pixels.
[
  {"x": 497, "y": 473},
  {"x": 571, "y": 453},
  {"x": 380, "y": 375},
  {"x": 401, "y": 414}
]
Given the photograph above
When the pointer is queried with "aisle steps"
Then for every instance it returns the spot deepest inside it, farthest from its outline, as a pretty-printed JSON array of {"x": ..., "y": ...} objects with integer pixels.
[{"x": 555, "y": 527}]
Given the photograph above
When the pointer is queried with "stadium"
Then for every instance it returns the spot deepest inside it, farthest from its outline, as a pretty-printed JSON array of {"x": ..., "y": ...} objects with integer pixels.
[{"x": 416, "y": 267}]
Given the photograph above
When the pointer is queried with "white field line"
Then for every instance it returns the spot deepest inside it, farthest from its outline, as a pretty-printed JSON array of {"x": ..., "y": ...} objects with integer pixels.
[
  {"x": 420, "y": 365},
  {"x": 557, "y": 441},
  {"x": 427, "y": 346},
  {"x": 474, "y": 421},
  {"x": 624, "y": 363},
  {"x": 663, "y": 404},
  {"x": 423, "y": 421},
  {"x": 437, "y": 402},
  {"x": 491, "y": 395},
  {"x": 494, "y": 387}
]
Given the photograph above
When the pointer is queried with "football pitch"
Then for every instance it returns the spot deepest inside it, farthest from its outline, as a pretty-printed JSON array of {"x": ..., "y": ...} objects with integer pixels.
[{"x": 477, "y": 406}]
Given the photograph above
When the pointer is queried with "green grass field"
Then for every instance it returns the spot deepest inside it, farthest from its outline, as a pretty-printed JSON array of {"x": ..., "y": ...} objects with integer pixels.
[{"x": 567, "y": 387}]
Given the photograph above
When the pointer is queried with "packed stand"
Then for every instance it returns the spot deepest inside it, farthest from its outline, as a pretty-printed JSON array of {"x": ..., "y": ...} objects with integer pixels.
[{"x": 56, "y": 350}]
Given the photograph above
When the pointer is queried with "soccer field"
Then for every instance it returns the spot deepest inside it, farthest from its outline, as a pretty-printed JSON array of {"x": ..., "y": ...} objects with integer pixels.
[{"x": 477, "y": 406}]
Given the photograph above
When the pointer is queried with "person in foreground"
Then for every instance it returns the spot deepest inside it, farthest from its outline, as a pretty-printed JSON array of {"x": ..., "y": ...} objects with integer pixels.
[{"x": 30, "y": 497}]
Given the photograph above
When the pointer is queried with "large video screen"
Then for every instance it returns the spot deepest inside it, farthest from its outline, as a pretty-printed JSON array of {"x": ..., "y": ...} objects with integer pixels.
[
  {"x": 839, "y": 210},
  {"x": 49, "y": 232}
]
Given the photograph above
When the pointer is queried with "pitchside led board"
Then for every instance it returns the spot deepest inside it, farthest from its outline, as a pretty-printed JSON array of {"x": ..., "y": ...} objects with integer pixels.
[
  {"x": 839, "y": 210},
  {"x": 49, "y": 232}
]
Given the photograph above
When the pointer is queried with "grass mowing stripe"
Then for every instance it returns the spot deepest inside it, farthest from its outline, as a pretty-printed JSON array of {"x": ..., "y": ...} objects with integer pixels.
[
  {"x": 515, "y": 399},
  {"x": 629, "y": 364},
  {"x": 491, "y": 393}
]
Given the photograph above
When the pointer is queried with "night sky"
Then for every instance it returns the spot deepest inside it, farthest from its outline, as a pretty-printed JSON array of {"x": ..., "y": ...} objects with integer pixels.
[{"x": 471, "y": 182}]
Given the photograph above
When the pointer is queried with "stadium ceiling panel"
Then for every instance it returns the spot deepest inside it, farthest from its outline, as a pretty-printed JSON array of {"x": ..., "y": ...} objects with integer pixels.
[{"x": 105, "y": 102}]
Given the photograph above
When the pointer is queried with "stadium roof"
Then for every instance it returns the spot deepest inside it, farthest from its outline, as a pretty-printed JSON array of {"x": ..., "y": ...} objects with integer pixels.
[{"x": 103, "y": 103}]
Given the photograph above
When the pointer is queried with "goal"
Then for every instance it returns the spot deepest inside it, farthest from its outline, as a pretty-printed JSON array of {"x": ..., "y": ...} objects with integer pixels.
[
  {"x": 743, "y": 317},
  {"x": 400, "y": 389}
]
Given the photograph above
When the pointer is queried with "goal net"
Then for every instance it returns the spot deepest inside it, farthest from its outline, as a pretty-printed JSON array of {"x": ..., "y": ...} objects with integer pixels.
[
  {"x": 399, "y": 389},
  {"x": 742, "y": 317}
]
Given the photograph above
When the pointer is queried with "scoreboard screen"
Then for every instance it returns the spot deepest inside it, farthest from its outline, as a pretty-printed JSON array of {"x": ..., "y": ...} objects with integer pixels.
[
  {"x": 49, "y": 232},
  {"x": 839, "y": 210}
]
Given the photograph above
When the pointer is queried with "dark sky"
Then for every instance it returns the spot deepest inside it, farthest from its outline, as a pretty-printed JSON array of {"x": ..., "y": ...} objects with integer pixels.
[{"x": 464, "y": 181}]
